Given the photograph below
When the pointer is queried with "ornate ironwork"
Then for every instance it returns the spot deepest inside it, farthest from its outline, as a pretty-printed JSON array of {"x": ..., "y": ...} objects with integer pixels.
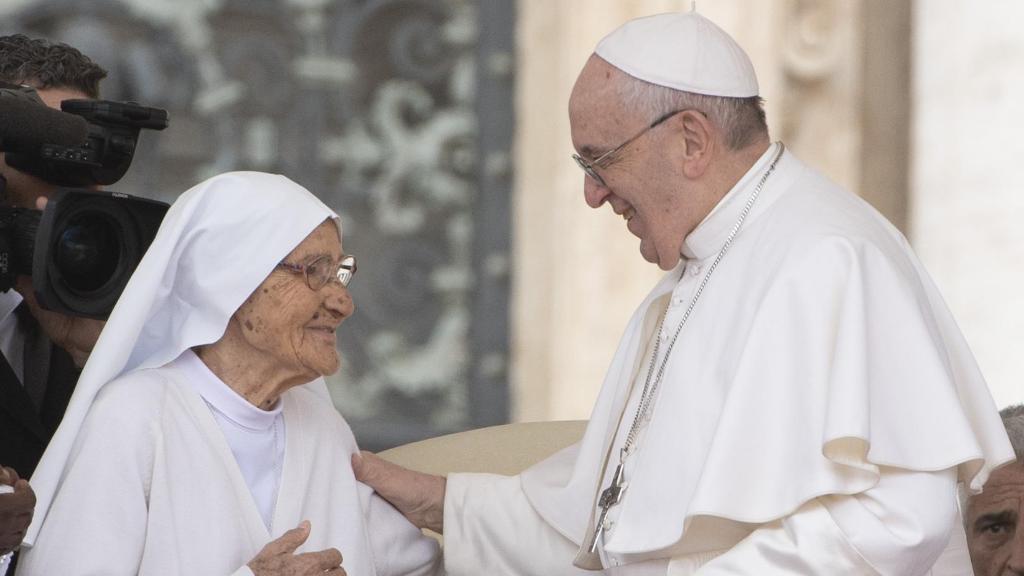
[{"x": 398, "y": 113}]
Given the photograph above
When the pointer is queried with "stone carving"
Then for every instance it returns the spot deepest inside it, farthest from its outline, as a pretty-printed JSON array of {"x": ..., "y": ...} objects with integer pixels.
[
  {"x": 810, "y": 44},
  {"x": 820, "y": 111}
]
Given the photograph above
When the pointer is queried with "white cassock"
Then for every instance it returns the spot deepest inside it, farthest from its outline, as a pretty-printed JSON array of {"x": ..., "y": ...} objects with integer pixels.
[
  {"x": 162, "y": 492},
  {"x": 816, "y": 414}
]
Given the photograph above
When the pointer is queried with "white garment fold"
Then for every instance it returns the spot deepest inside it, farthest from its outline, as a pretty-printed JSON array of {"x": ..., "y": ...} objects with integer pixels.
[
  {"x": 824, "y": 537},
  {"x": 155, "y": 481}
]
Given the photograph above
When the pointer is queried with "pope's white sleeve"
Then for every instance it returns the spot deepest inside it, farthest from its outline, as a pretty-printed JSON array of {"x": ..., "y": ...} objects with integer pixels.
[
  {"x": 399, "y": 548},
  {"x": 897, "y": 528},
  {"x": 491, "y": 528}
]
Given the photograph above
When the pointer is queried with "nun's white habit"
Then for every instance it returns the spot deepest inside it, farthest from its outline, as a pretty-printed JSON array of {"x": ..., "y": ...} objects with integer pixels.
[{"x": 140, "y": 479}]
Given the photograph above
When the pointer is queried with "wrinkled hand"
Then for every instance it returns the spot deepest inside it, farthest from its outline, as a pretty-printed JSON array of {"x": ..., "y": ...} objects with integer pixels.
[
  {"x": 418, "y": 496},
  {"x": 75, "y": 334},
  {"x": 15, "y": 510},
  {"x": 278, "y": 557}
]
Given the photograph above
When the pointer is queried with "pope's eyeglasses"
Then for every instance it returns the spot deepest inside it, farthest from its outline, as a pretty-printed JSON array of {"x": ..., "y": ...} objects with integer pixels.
[
  {"x": 589, "y": 167},
  {"x": 322, "y": 270}
]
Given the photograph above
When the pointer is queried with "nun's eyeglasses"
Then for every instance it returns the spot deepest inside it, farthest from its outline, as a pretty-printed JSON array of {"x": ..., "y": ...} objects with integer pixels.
[
  {"x": 589, "y": 167},
  {"x": 322, "y": 270}
]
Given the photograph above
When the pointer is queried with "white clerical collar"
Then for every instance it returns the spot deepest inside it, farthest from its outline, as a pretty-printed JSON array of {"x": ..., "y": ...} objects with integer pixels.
[
  {"x": 707, "y": 238},
  {"x": 222, "y": 398}
]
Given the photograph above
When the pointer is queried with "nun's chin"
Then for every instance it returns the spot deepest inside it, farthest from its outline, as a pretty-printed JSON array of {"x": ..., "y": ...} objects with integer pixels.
[{"x": 323, "y": 362}]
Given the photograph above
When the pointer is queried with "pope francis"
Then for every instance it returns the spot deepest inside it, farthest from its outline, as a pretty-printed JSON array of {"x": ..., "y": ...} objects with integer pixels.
[{"x": 792, "y": 398}]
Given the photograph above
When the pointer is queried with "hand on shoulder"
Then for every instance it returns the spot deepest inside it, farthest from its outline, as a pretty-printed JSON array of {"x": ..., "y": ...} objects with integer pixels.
[{"x": 418, "y": 496}]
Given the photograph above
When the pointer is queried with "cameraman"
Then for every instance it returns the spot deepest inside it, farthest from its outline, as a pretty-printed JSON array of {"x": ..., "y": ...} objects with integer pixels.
[{"x": 41, "y": 352}]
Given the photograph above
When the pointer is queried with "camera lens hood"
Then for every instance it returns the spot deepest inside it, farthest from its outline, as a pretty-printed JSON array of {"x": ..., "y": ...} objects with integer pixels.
[{"x": 87, "y": 246}]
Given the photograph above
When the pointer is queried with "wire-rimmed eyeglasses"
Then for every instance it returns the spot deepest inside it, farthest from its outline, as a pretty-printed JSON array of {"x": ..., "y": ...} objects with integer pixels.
[
  {"x": 321, "y": 270},
  {"x": 589, "y": 166}
]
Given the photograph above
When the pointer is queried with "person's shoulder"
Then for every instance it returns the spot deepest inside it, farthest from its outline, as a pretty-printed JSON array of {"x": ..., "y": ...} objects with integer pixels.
[
  {"x": 817, "y": 207},
  {"x": 832, "y": 256},
  {"x": 313, "y": 397},
  {"x": 314, "y": 405},
  {"x": 817, "y": 216},
  {"x": 137, "y": 395}
]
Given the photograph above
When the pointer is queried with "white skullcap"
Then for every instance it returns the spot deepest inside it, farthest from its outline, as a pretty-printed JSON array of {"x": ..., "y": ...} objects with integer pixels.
[{"x": 684, "y": 51}]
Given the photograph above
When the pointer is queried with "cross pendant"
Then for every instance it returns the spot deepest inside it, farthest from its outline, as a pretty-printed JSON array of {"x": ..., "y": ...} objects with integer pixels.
[{"x": 611, "y": 496}]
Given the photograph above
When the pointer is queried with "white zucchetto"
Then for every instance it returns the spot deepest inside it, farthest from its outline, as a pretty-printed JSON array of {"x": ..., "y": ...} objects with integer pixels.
[{"x": 681, "y": 50}]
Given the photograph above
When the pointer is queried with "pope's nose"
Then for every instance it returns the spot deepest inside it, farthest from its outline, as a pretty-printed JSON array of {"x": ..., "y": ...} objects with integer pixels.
[{"x": 595, "y": 193}]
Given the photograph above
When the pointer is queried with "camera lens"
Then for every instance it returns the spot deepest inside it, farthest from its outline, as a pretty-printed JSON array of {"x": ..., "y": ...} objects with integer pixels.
[
  {"x": 88, "y": 251},
  {"x": 87, "y": 244}
]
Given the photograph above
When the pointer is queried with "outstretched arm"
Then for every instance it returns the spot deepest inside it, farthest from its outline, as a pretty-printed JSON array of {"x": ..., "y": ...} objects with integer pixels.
[
  {"x": 490, "y": 526},
  {"x": 899, "y": 527},
  {"x": 419, "y": 497}
]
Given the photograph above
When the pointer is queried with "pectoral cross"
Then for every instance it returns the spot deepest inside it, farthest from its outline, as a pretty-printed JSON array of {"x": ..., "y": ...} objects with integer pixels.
[{"x": 611, "y": 496}]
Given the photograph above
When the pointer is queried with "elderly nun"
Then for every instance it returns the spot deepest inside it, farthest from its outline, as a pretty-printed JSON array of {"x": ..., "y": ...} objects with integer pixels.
[{"x": 200, "y": 438}]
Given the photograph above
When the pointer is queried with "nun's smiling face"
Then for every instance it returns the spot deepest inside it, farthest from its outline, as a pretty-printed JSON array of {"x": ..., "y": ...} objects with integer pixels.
[{"x": 292, "y": 325}]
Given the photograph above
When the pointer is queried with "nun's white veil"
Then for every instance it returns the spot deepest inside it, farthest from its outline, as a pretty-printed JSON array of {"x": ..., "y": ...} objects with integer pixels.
[{"x": 217, "y": 244}]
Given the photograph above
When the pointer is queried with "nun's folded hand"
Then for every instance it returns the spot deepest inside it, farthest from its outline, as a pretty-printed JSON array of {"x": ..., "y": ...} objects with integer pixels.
[{"x": 278, "y": 557}]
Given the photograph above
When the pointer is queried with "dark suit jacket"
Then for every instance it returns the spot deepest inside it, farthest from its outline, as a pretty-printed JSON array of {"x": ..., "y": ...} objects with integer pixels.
[{"x": 25, "y": 430}]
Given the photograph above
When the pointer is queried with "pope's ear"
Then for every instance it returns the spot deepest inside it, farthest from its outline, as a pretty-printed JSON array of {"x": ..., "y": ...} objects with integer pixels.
[{"x": 698, "y": 142}]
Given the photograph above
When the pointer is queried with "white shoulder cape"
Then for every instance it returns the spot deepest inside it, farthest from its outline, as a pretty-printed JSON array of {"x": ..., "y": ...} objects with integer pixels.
[{"x": 819, "y": 352}]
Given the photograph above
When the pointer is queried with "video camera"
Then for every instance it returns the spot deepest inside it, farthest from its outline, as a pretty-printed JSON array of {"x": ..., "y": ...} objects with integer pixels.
[{"x": 83, "y": 247}]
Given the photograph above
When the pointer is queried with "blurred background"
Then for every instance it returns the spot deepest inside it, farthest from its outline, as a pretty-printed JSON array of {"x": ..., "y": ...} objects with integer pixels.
[{"x": 487, "y": 291}]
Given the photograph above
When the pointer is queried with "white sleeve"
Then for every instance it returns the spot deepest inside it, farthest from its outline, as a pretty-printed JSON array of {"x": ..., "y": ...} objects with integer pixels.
[
  {"x": 399, "y": 548},
  {"x": 104, "y": 487},
  {"x": 898, "y": 528},
  {"x": 491, "y": 528}
]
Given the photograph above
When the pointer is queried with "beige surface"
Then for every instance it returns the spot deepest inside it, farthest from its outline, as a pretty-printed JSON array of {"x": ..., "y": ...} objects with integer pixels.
[{"x": 506, "y": 449}]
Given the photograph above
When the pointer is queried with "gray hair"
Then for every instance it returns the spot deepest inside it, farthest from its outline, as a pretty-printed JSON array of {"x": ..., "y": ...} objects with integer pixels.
[
  {"x": 1013, "y": 421},
  {"x": 741, "y": 120}
]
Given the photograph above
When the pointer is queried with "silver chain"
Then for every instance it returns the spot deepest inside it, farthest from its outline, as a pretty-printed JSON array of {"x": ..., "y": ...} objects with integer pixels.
[{"x": 649, "y": 390}]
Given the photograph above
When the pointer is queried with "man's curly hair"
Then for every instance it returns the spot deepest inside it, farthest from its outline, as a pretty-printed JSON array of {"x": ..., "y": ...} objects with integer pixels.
[{"x": 43, "y": 64}]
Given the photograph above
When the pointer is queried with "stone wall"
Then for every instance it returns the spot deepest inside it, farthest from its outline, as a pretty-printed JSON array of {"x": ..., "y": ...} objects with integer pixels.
[{"x": 968, "y": 175}]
